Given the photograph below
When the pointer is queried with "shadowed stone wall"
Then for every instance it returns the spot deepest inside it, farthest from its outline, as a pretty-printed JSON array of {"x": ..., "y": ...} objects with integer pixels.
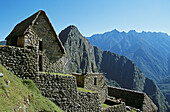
[
  {"x": 22, "y": 62},
  {"x": 135, "y": 99}
]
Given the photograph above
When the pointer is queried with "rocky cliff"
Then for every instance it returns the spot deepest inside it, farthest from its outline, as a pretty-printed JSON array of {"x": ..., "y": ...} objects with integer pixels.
[
  {"x": 83, "y": 57},
  {"x": 80, "y": 53}
]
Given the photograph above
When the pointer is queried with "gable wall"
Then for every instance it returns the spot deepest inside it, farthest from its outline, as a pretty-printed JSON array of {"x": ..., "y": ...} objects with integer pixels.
[
  {"x": 50, "y": 44},
  {"x": 52, "y": 57},
  {"x": 53, "y": 60}
]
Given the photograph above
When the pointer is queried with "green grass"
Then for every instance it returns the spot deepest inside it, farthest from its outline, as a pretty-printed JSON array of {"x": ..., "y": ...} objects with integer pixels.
[
  {"x": 14, "y": 95},
  {"x": 57, "y": 74},
  {"x": 105, "y": 105},
  {"x": 131, "y": 111},
  {"x": 79, "y": 89},
  {"x": 2, "y": 45}
]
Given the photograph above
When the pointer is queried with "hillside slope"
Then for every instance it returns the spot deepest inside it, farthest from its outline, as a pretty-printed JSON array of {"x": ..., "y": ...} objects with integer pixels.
[
  {"x": 22, "y": 95},
  {"x": 164, "y": 85},
  {"x": 118, "y": 69},
  {"x": 148, "y": 50}
]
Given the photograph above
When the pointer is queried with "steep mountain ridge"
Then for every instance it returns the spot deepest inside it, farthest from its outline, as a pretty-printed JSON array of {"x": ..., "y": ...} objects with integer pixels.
[
  {"x": 148, "y": 50},
  {"x": 80, "y": 56},
  {"x": 118, "y": 69}
]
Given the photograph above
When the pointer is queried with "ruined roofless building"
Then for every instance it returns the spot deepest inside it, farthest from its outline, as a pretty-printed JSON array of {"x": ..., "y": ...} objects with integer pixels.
[
  {"x": 37, "y": 32},
  {"x": 94, "y": 82}
]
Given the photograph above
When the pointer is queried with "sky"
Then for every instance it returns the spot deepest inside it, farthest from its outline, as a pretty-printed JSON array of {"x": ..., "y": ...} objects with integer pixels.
[{"x": 90, "y": 16}]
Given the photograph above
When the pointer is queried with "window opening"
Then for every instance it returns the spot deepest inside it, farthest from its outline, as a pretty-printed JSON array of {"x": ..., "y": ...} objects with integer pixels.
[
  {"x": 95, "y": 81},
  {"x": 40, "y": 45},
  {"x": 40, "y": 63}
]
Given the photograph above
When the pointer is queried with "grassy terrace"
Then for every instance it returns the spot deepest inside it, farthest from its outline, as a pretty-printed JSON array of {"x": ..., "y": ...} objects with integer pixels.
[
  {"x": 57, "y": 74},
  {"x": 105, "y": 105},
  {"x": 79, "y": 89},
  {"x": 2, "y": 45},
  {"x": 13, "y": 96}
]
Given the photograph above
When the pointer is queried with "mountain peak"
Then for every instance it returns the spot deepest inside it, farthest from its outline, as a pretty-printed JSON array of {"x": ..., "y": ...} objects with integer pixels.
[
  {"x": 71, "y": 27},
  {"x": 115, "y": 30},
  {"x": 69, "y": 32},
  {"x": 132, "y": 31}
]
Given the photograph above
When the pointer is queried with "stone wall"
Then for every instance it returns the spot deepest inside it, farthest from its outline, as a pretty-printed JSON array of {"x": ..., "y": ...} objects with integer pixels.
[
  {"x": 135, "y": 99},
  {"x": 51, "y": 45},
  {"x": 89, "y": 102},
  {"x": 22, "y": 62},
  {"x": 116, "y": 108},
  {"x": 62, "y": 90},
  {"x": 31, "y": 39},
  {"x": 99, "y": 85},
  {"x": 57, "y": 67},
  {"x": 52, "y": 57}
]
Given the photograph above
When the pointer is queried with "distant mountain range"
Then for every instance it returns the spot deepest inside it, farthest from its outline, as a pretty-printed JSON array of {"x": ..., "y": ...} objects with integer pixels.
[{"x": 150, "y": 51}]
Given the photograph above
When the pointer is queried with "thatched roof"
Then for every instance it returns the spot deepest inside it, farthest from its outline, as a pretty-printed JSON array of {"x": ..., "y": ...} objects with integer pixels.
[{"x": 20, "y": 28}]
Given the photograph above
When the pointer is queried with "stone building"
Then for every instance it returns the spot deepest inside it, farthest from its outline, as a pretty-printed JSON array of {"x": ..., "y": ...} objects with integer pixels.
[
  {"x": 94, "y": 82},
  {"x": 34, "y": 46},
  {"x": 37, "y": 32}
]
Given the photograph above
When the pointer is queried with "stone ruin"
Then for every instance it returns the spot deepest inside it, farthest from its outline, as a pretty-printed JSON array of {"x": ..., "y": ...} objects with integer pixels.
[
  {"x": 34, "y": 51},
  {"x": 93, "y": 82}
]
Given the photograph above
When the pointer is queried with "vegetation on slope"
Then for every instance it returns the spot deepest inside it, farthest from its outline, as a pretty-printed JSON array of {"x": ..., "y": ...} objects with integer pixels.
[
  {"x": 20, "y": 95},
  {"x": 79, "y": 89},
  {"x": 105, "y": 105},
  {"x": 57, "y": 74}
]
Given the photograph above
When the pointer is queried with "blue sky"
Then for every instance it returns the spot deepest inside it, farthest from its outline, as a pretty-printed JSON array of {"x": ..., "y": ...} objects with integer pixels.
[{"x": 90, "y": 16}]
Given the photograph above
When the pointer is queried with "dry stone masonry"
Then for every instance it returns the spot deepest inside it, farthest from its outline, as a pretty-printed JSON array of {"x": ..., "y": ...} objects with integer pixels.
[
  {"x": 93, "y": 82},
  {"x": 62, "y": 90},
  {"x": 116, "y": 108},
  {"x": 22, "y": 62},
  {"x": 35, "y": 52},
  {"x": 135, "y": 99}
]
